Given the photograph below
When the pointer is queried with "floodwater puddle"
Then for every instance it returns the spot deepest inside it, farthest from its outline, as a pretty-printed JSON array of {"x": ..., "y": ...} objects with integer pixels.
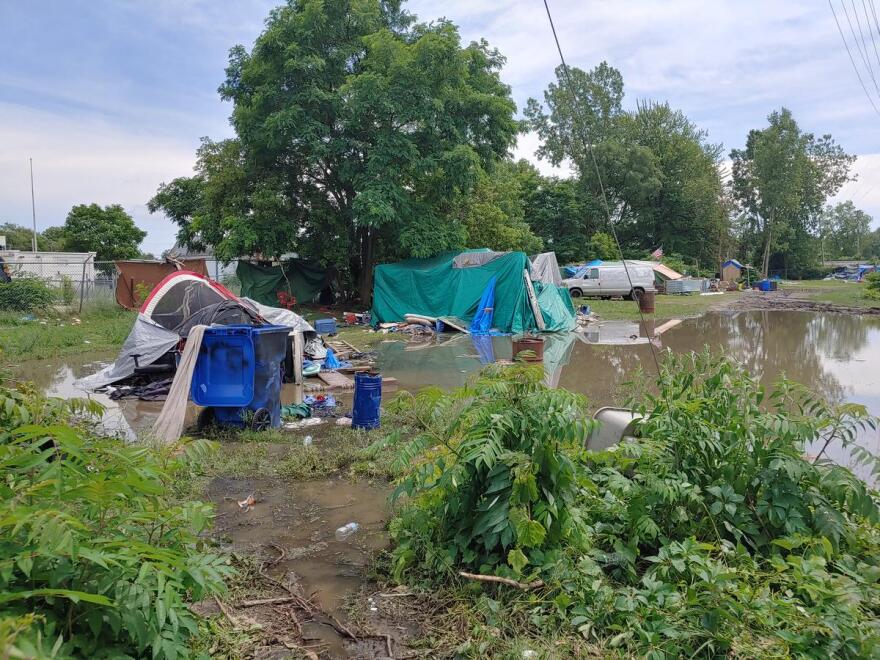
[
  {"x": 835, "y": 355},
  {"x": 298, "y": 521}
]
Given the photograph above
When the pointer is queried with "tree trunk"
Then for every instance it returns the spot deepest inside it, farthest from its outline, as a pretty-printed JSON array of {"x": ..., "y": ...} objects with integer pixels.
[
  {"x": 365, "y": 277},
  {"x": 765, "y": 261}
]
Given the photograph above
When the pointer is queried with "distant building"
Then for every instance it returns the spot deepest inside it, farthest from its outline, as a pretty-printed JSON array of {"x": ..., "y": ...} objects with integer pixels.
[{"x": 51, "y": 266}]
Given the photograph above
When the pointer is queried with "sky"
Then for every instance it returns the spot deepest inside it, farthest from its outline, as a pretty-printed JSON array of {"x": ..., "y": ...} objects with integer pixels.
[{"x": 111, "y": 97}]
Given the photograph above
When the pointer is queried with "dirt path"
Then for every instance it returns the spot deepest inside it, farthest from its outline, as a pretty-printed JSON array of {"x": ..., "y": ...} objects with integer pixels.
[{"x": 796, "y": 300}]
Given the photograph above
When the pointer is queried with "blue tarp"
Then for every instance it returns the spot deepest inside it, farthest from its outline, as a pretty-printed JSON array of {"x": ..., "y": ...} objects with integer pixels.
[{"x": 482, "y": 323}]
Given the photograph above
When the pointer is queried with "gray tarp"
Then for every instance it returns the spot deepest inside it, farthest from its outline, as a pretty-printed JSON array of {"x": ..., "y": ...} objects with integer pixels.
[
  {"x": 545, "y": 269},
  {"x": 279, "y": 316},
  {"x": 148, "y": 340},
  {"x": 478, "y": 258}
]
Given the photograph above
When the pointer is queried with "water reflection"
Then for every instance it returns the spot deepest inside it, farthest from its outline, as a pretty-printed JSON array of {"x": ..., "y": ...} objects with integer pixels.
[{"x": 835, "y": 355}]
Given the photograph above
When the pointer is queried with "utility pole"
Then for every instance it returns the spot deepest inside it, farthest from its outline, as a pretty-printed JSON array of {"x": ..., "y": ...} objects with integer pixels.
[{"x": 33, "y": 205}]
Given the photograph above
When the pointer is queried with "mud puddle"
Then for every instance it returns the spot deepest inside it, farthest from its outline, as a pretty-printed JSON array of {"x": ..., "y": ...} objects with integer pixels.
[{"x": 292, "y": 527}]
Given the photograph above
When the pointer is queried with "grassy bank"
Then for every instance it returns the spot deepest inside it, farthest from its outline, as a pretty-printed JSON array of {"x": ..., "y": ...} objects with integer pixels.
[
  {"x": 666, "y": 307},
  {"x": 835, "y": 292},
  {"x": 101, "y": 326}
]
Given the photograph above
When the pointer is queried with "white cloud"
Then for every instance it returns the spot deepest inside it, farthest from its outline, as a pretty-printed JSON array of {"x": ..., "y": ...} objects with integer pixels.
[
  {"x": 78, "y": 160},
  {"x": 865, "y": 191}
]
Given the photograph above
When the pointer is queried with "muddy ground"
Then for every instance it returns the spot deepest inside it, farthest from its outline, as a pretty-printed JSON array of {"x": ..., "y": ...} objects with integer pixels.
[{"x": 793, "y": 300}]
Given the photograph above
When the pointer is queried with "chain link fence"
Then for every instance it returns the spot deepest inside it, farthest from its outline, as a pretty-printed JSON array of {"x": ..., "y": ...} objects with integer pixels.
[{"x": 75, "y": 280}]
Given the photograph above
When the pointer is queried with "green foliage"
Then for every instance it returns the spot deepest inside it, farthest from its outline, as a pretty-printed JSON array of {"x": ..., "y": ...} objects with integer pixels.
[
  {"x": 845, "y": 231},
  {"x": 21, "y": 238},
  {"x": 710, "y": 535},
  {"x": 25, "y": 294},
  {"x": 658, "y": 171},
  {"x": 494, "y": 213},
  {"x": 67, "y": 292},
  {"x": 780, "y": 181},
  {"x": 872, "y": 286},
  {"x": 496, "y": 481},
  {"x": 95, "y": 560},
  {"x": 357, "y": 131},
  {"x": 602, "y": 246},
  {"x": 108, "y": 231}
]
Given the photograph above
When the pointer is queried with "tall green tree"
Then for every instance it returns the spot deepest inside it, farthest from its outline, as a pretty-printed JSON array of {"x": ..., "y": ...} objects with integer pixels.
[
  {"x": 21, "y": 238},
  {"x": 780, "y": 181},
  {"x": 357, "y": 132},
  {"x": 562, "y": 214},
  {"x": 844, "y": 231},
  {"x": 656, "y": 169},
  {"x": 493, "y": 214},
  {"x": 109, "y": 231}
]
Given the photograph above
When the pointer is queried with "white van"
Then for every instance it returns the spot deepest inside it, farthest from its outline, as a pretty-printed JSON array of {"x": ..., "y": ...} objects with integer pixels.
[{"x": 609, "y": 280}]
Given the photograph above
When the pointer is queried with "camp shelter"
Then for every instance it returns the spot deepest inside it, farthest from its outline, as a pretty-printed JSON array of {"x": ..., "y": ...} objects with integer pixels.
[
  {"x": 731, "y": 270},
  {"x": 437, "y": 287},
  {"x": 545, "y": 268},
  {"x": 180, "y": 301},
  {"x": 302, "y": 279},
  {"x": 136, "y": 276}
]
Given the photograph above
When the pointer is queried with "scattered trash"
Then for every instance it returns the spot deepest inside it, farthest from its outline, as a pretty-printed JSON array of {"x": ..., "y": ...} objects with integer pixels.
[
  {"x": 247, "y": 503},
  {"x": 346, "y": 531},
  {"x": 343, "y": 421},
  {"x": 303, "y": 423},
  {"x": 307, "y": 441},
  {"x": 75, "y": 321},
  {"x": 529, "y": 653},
  {"x": 86, "y": 341},
  {"x": 296, "y": 411},
  {"x": 31, "y": 317}
]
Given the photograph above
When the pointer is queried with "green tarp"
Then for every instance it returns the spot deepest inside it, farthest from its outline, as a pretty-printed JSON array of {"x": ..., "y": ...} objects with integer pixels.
[
  {"x": 432, "y": 287},
  {"x": 303, "y": 279}
]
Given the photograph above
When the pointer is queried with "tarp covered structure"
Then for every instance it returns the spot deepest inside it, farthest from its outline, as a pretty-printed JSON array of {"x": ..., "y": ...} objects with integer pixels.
[
  {"x": 302, "y": 279},
  {"x": 545, "y": 268},
  {"x": 436, "y": 288},
  {"x": 180, "y": 301},
  {"x": 135, "y": 276}
]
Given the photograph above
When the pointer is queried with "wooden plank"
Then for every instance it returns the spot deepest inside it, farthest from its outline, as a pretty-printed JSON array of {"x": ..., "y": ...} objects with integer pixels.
[
  {"x": 533, "y": 301},
  {"x": 335, "y": 379},
  {"x": 297, "y": 358},
  {"x": 455, "y": 322}
]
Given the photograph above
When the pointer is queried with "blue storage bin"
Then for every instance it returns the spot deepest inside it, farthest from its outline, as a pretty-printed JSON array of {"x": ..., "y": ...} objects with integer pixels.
[
  {"x": 239, "y": 370},
  {"x": 367, "y": 401},
  {"x": 325, "y": 326}
]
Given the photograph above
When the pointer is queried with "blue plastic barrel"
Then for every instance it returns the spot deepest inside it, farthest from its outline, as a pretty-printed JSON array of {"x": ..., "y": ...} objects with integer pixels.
[{"x": 367, "y": 399}]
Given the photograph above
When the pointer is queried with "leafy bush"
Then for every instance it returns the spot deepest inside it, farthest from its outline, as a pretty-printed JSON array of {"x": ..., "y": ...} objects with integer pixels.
[
  {"x": 872, "y": 286},
  {"x": 25, "y": 294},
  {"x": 710, "y": 535},
  {"x": 68, "y": 293},
  {"x": 95, "y": 561}
]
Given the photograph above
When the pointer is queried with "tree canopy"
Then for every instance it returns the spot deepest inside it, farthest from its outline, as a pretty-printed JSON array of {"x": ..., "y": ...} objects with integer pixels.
[
  {"x": 358, "y": 130},
  {"x": 108, "y": 231},
  {"x": 21, "y": 238},
  {"x": 657, "y": 170},
  {"x": 845, "y": 231},
  {"x": 780, "y": 182}
]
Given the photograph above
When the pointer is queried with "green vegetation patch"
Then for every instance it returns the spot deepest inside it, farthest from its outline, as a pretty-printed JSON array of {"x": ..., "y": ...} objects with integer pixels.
[{"x": 712, "y": 534}]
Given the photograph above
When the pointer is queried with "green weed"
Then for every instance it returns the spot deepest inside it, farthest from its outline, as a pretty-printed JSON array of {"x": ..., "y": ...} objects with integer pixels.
[
  {"x": 95, "y": 558},
  {"x": 711, "y": 535}
]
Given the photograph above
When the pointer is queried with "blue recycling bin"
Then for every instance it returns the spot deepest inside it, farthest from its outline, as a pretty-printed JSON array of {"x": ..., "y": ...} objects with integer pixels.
[{"x": 237, "y": 377}]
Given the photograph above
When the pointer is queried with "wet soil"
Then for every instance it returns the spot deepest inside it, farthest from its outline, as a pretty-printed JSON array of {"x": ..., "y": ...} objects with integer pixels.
[
  {"x": 290, "y": 531},
  {"x": 794, "y": 301}
]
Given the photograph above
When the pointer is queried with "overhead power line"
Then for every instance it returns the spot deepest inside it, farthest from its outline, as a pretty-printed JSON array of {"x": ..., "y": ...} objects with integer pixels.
[
  {"x": 852, "y": 60},
  {"x": 861, "y": 46},
  {"x": 578, "y": 125}
]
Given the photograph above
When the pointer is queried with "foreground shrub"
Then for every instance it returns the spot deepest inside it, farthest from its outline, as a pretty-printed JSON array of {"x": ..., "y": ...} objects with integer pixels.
[
  {"x": 25, "y": 294},
  {"x": 872, "y": 286},
  {"x": 95, "y": 561},
  {"x": 711, "y": 535}
]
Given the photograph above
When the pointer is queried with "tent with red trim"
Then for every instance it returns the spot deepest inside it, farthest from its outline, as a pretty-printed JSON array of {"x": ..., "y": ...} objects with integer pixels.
[{"x": 180, "y": 301}]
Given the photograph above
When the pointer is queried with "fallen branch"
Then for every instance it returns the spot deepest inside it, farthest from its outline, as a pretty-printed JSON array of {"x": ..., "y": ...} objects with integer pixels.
[
  {"x": 271, "y": 601},
  {"x": 537, "y": 584},
  {"x": 226, "y": 612}
]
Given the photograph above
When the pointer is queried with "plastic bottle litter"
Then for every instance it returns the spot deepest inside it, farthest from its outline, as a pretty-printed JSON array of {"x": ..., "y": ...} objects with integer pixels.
[
  {"x": 344, "y": 532},
  {"x": 307, "y": 441}
]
